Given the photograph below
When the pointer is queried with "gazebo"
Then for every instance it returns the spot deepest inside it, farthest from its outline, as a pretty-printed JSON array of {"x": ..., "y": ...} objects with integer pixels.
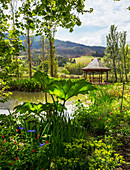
[{"x": 96, "y": 66}]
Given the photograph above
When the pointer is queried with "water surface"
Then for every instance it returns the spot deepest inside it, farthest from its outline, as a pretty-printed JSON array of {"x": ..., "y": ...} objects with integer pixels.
[{"x": 34, "y": 97}]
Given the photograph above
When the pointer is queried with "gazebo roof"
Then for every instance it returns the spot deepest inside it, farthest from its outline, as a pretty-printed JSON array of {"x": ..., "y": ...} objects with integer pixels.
[{"x": 96, "y": 65}]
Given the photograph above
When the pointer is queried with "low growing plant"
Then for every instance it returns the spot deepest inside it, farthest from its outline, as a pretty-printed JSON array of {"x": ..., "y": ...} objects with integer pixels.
[{"x": 89, "y": 155}]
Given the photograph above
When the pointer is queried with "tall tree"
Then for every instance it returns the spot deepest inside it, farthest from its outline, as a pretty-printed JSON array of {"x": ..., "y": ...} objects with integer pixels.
[
  {"x": 52, "y": 52},
  {"x": 127, "y": 60},
  {"x": 112, "y": 49},
  {"x": 58, "y": 13},
  {"x": 43, "y": 51},
  {"x": 28, "y": 24},
  {"x": 8, "y": 48},
  {"x": 122, "y": 40}
]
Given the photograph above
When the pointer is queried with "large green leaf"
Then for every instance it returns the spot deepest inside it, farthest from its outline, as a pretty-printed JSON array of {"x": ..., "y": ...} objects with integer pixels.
[
  {"x": 38, "y": 108},
  {"x": 44, "y": 80},
  {"x": 63, "y": 89},
  {"x": 66, "y": 89}
]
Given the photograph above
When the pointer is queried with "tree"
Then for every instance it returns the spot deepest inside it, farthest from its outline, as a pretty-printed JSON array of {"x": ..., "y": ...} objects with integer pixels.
[
  {"x": 43, "y": 52},
  {"x": 112, "y": 49},
  {"x": 29, "y": 24},
  {"x": 117, "y": 53},
  {"x": 52, "y": 51},
  {"x": 45, "y": 16},
  {"x": 6, "y": 51},
  {"x": 125, "y": 51},
  {"x": 58, "y": 13},
  {"x": 122, "y": 55}
]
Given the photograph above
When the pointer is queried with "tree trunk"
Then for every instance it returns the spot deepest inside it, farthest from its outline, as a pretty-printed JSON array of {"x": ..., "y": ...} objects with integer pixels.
[
  {"x": 43, "y": 55},
  {"x": 125, "y": 68},
  {"x": 51, "y": 57},
  {"x": 115, "y": 72},
  {"x": 12, "y": 5},
  {"x": 29, "y": 55},
  {"x": 12, "y": 11}
]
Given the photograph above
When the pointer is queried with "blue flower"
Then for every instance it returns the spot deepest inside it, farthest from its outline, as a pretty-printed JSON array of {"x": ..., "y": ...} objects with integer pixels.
[
  {"x": 31, "y": 131},
  {"x": 20, "y": 128},
  {"x": 42, "y": 144}
]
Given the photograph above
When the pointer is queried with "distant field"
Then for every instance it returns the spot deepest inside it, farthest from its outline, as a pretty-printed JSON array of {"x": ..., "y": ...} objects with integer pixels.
[{"x": 84, "y": 59}]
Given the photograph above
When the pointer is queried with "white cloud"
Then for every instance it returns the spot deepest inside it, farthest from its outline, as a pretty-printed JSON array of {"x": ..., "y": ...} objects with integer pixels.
[
  {"x": 106, "y": 13},
  {"x": 97, "y": 38}
]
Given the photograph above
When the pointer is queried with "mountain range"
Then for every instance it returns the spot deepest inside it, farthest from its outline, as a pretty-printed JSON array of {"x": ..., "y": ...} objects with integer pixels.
[{"x": 67, "y": 48}]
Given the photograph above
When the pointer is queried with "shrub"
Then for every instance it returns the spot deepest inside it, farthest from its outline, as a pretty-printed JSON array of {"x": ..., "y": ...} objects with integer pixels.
[
  {"x": 28, "y": 85},
  {"x": 65, "y": 71},
  {"x": 75, "y": 68}
]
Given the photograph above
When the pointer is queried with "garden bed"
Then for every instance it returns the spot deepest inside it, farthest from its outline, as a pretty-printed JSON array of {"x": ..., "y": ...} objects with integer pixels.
[{"x": 96, "y": 138}]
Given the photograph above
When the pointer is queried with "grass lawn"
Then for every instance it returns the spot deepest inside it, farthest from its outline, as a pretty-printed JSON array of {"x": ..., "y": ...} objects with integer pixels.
[{"x": 84, "y": 59}]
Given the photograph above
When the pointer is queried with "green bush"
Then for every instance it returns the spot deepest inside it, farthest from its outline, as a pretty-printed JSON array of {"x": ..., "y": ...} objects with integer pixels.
[
  {"x": 75, "y": 68},
  {"x": 28, "y": 85},
  {"x": 21, "y": 148},
  {"x": 105, "y": 114},
  {"x": 65, "y": 71},
  {"x": 91, "y": 119}
]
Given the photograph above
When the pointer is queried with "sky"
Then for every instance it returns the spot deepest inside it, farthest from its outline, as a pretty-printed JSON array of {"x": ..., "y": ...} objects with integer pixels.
[{"x": 96, "y": 25}]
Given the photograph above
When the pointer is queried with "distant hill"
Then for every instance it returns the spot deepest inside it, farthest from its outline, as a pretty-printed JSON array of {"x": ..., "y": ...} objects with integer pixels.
[
  {"x": 75, "y": 49},
  {"x": 67, "y": 48}
]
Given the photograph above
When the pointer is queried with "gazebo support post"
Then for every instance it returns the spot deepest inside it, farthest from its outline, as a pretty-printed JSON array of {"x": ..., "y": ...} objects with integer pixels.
[
  {"x": 99, "y": 77},
  {"x": 93, "y": 77},
  {"x": 106, "y": 77},
  {"x": 86, "y": 75},
  {"x": 90, "y": 77}
]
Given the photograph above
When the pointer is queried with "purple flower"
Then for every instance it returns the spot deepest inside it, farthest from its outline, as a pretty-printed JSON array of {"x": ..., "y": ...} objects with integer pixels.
[
  {"x": 20, "y": 128},
  {"x": 32, "y": 131},
  {"x": 42, "y": 144}
]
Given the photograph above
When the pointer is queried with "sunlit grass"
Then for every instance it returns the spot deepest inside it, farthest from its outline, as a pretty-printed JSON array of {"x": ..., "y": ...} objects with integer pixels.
[{"x": 84, "y": 59}]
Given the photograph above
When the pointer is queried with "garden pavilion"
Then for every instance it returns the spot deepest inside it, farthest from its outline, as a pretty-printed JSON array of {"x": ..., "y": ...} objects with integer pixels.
[{"x": 96, "y": 66}]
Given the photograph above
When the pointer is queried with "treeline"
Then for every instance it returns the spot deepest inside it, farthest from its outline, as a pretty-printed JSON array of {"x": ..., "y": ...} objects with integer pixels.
[{"x": 96, "y": 54}]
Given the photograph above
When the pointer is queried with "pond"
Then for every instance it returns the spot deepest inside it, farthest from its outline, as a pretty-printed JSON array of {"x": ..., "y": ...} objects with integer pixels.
[{"x": 34, "y": 97}]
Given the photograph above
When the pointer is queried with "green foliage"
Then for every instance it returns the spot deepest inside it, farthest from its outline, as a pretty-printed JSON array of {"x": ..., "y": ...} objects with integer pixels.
[
  {"x": 117, "y": 54},
  {"x": 91, "y": 119},
  {"x": 103, "y": 114},
  {"x": 25, "y": 85},
  {"x": 54, "y": 15},
  {"x": 62, "y": 60},
  {"x": 65, "y": 71},
  {"x": 89, "y": 155},
  {"x": 25, "y": 139},
  {"x": 28, "y": 138},
  {"x": 63, "y": 89},
  {"x": 20, "y": 148},
  {"x": 60, "y": 141},
  {"x": 104, "y": 157},
  {"x": 75, "y": 68},
  {"x": 10, "y": 48},
  {"x": 4, "y": 96}
]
